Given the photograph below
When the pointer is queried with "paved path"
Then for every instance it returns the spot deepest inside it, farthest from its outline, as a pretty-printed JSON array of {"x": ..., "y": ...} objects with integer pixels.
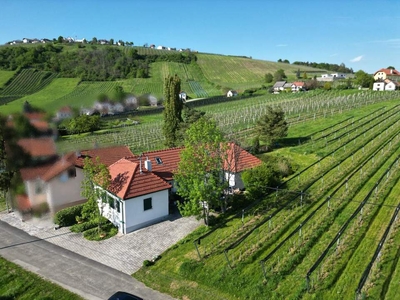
[
  {"x": 124, "y": 253},
  {"x": 94, "y": 270},
  {"x": 90, "y": 279}
]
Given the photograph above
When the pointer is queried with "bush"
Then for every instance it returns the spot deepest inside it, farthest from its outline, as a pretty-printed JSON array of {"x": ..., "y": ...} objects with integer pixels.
[
  {"x": 67, "y": 216},
  {"x": 107, "y": 230},
  {"x": 84, "y": 226},
  {"x": 147, "y": 263}
]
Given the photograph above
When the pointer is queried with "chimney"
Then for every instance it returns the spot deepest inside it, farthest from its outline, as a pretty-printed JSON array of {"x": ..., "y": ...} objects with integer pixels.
[{"x": 147, "y": 164}]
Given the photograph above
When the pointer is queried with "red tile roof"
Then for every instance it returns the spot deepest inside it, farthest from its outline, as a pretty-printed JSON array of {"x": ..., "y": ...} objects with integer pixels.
[
  {"x": 389, "y": 72},
  {"x": 44, "y": 146},
  {"x": 48, "y": 171},
  {"x": 107, "y": 156},
  {"x": 129, "y": 182},
  {"x": 239, "y": 159},
  {"x": 168, "y": 160},
  {"x": 298, "y": 83}
]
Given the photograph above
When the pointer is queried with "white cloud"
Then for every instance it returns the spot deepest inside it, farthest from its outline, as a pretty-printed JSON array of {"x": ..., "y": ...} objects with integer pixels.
[
  {"x": 357, "y": 59},
  {"x": 281, "y": 45},
  {"x": 334, "y": 54},
  {"x": 389, "y": 42}
]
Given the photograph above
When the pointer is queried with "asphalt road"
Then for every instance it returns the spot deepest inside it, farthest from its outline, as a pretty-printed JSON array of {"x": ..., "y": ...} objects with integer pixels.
[{"x": 72, "y": 271}]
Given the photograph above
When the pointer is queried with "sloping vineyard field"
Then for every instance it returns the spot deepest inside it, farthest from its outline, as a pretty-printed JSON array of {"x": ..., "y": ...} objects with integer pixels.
[
  {"x": 28, "y": 82},
  {"x": 5, "y": 76},
  {"x": 313, "y": 236}
]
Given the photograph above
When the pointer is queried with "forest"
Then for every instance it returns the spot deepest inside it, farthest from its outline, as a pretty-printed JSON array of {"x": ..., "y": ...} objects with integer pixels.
[{"x": 88, "y": 62}]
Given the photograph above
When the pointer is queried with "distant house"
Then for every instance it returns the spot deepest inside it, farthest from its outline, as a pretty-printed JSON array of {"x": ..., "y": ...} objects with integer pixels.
[
  {"x": 183, "y": 96},
  {"x": 41, "y": 149},
  {"x": 131, "y": 102},
  {"x": 152, "y": 46},
  {"x": 386, "y": 85},
  {"x": 160, "y": 48},
  {"x": 231, "y": 93},
  {"x": 103, "y": 42},
  {"x": 63, "y": 113},
  {"x": 44, "y": 41},
  {"x": 298, "y": 86},
  {"x": 331, "y": 77},
  {"x": 153, "y": 100},
  {"x": 279, "y": 86},
  {"x": 383, "y": 74},
  {"x": 26, "y": 40}
]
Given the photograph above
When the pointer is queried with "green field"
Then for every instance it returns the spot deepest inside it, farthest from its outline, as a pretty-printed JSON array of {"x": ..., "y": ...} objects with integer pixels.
[
  {"x": 210, "y": 76},
  {"x": 16, "y": 283},
  {"x": 226, "y": 262}
]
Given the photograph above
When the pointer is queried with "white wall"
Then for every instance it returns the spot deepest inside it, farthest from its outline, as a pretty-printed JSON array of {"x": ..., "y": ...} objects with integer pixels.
[
  {"x": 136, "y": 217},
  {"x": 30, "y": 189},
  {"x": 62, "y": 193}
]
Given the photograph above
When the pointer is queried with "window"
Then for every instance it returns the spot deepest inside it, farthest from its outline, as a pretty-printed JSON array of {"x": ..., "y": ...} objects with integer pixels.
[
  {"x": 71, "y": 173},
  {"x": 117, "y": 204},
  {"x": 158, "y": 160},
  {"x": 111, "y": 202},
  {"x": 38, "y": 187},
  {"x": 147, "y": 204}
]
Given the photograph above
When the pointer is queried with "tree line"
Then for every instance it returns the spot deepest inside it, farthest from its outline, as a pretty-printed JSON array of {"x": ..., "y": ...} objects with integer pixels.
[{"x": 91, "y": 62}]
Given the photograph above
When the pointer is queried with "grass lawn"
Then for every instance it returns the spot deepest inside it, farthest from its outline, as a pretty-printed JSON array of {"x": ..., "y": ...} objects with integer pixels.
[
  {"x": 5, "y": 76},
  {"x": 17, "y": 283}
]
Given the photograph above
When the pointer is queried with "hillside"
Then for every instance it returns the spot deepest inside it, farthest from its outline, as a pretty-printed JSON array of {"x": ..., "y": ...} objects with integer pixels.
[{"x": 210, "y": 75}]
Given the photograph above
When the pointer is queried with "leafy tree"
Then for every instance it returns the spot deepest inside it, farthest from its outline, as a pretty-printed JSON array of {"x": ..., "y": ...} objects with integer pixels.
[
  {"x": 172, "y": 110},
  {"x": 305, "y": 75},
  {"x": 327, "y": 86},
  {"x": 363, "y": 79},
  {"x": 286, "y": 61},
  {"x": 12, "y": 156},
  {"x": 298, "y": 74},
  {"x": 199, "y": 175},
  {"x": 391, "y": 67},
  {"x": 111, "y": 41},
  {"x": 272, "y": 126},
  {"x": 258, "y": 179},
  {"x": 60, "y": 39},
  {"x": 190, "y": 116},
  {"x": 119, "y": 93},
  {"x": 96, "y": 180},
  {"x": 269, "y": 78},
  {"x": 83, "y": 123},
  {"x": 279, "y": 75}
]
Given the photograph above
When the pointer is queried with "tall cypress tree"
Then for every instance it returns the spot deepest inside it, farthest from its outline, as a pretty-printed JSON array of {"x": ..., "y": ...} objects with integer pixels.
[{"x": 172, "y": 110}]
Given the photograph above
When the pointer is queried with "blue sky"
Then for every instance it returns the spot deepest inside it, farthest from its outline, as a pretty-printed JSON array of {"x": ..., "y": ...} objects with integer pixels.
[{"x": 362, "y": 34}]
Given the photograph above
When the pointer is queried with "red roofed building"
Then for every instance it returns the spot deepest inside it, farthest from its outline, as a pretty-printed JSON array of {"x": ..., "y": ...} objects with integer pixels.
[
  {"x": 40, "y": 149},
  {"x": 55, "y": 183},
  {"x": 298, "y": 86},
  {"x": 383, "y": 74},
  {"x": 136, "y": 197}
]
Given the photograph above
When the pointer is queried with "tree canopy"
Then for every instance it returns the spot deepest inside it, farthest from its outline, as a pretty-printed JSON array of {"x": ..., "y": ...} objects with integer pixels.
[
  {"x": 363, "y": 79},
  {"x": 279, "y": 75},
  {"x": 172, "y": 110},
  {"x": 199, "y": 177},
  {"x": 271, "y": 126}
]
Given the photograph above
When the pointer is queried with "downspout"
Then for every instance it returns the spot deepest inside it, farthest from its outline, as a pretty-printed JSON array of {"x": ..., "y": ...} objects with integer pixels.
[{"x": 123, "y": 217}]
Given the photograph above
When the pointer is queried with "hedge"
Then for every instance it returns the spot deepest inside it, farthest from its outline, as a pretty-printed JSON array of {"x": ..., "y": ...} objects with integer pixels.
[
  {"x": 88, "y": 225},
  {"x": 66, "y": 216}
]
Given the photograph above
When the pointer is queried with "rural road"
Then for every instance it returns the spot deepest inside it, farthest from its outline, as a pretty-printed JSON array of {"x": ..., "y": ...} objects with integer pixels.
[{"x": 72, "y": 271}]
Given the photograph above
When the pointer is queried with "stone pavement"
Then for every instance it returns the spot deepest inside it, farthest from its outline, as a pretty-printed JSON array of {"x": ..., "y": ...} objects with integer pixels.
[{"x": 125, "y": 253}]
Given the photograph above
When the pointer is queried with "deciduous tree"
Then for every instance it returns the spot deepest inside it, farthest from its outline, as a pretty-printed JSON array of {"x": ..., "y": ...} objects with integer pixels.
[
  {"x": 363, "y": 79},
  {"x": 279, "y": 75},
  {"x": 172, "y": 110},
  {"x": 269, "y": 78},
  {"x": 96, "y": 180},
  {"x": 199, "y": 175}
]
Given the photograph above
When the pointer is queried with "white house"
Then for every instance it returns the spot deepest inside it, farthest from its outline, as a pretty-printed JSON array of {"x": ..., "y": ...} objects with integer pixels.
[
  {"x": 55, "y": 183},
  {"x": 64, "y": 112},
  {"x": 136, "y": 196},
  {"x": 385, "y": 85},
  {"x": 183, "y": 96},
  {"x": 279, "y": 86},
  {"x": 297, "y": 86},
  {"x": 383, "y": 74},
  {"x": 231, "y": 93}
]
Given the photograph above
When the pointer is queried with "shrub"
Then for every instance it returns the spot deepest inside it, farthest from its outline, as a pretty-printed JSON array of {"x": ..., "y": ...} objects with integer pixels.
[
  {"x": 67, "y": 216},
  {"x": 147, "y": 263},
  {"x": 84, "y": 226},
  {"x": 107, "y": 230}
]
